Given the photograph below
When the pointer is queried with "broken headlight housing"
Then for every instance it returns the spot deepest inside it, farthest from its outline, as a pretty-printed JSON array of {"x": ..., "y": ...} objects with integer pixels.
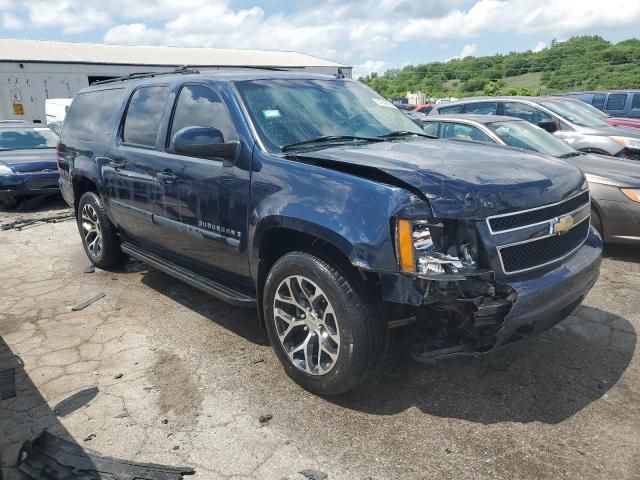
[{"x": 431, "y": 248}]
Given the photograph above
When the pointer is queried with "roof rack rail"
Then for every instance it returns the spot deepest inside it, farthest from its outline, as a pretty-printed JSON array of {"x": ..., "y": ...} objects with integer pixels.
[{"x": 185, "y": 69}]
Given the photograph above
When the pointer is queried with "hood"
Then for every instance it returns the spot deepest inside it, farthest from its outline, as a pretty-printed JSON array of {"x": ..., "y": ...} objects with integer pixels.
[
  {"x": 608, "y": 170},
  {"x": 33, "y": 160},
  {"x": 459, "y": 179}
]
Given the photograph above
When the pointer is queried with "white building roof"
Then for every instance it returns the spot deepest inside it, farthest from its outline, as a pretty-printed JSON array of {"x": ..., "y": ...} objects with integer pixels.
[{"x": 67, "y": 52}]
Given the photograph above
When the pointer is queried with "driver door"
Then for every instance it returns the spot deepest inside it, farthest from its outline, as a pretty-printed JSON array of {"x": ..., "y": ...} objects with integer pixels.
[{"x": 202, "y": 208}]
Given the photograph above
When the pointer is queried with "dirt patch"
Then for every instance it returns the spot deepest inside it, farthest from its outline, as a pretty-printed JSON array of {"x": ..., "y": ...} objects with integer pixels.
[{"x": 177, "y": 390}]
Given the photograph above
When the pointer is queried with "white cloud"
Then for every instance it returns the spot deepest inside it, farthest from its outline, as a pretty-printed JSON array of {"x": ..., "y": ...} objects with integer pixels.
[
  {"x": 11, "y": 21},
  {"x": 467, "y": 51},
  {"x": 539, "y": 46},
  {"x": 366, "y": 68}
]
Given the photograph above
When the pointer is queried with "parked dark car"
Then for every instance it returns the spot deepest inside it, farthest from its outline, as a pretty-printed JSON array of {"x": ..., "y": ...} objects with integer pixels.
[
  {"x": 605, "y": 117},
  {"x": 27, "y": 161},
  {"x": 317, "y": 200},
  {"x": 614, "y": 182},
  {"x": 617, "y": 103},
  {"x": 565, "y": 120}
]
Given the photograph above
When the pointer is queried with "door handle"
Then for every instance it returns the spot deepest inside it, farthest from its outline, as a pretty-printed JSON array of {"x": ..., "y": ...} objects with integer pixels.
[{"x": 167, "y": 177}]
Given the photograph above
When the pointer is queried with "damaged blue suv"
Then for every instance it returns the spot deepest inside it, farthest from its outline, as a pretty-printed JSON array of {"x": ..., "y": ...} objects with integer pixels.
[{"x": 317, "y": 200}]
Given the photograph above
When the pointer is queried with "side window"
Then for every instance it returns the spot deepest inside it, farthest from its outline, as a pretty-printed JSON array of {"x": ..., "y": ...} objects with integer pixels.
[
  {"x": 616, "y": 101},
  {"x": 144, "y": 115},
  {"x": 635, "y": 102},
  {"x": 598, "y": 100},
  {"x": 430, "y": 128},
  {"x": 525, "y": 112},
  {"x": 199, "y": 106},
  {"x": 450, "y": 110},
  {"x": 482, "y": 108},
  {"x": 425, "y": 110},
  {"x": 463, "y": 132},
  {"x": 91, "y": 114}
]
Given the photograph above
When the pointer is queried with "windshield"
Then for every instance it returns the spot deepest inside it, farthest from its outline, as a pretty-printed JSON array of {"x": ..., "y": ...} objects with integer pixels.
[
  {"x": 574, "y": 114},
  {"x": 590, "y": 109},
  {"x": 23, "y": 138},
  {"x": 521, "y": 134},
  {"x": 291, "y": 111}
]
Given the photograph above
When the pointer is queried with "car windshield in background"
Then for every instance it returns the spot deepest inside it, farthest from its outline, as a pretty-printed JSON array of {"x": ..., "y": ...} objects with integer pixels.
[
  {"x": 288, "y": 112},
  {"x": 521, "y": 134},
  {"x": 574, "y": 114},
  {"x": 590, "y": 109},
  {"x": 23, "y": 138}
]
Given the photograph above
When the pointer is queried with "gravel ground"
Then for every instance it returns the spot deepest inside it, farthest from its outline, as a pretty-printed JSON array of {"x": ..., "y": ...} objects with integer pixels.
[{"x": 163, "y": 373}]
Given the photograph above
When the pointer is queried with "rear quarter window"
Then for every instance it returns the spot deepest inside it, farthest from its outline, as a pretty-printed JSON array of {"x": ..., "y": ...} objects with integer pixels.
[
  {"x": 91, "y": 114},
  {"x": 450, "y": 110},
  {"x": 616, "y": 101}
]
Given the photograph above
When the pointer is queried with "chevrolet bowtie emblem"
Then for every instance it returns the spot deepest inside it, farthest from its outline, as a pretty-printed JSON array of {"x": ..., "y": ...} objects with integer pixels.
[{"x": 561, "y": 225}]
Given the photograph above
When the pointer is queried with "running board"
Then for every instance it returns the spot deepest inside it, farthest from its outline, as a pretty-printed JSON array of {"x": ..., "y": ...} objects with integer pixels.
[{"x": 213, "y": 288}]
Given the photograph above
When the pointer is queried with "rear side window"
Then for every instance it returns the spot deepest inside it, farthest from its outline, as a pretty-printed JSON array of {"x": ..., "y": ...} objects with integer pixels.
[
  {"x": 616, "y": 101},
  {"x": 199, "y": 106},
  {"x": 425, "y": 110},
  {"x": 144, "y": 115},
  {"x": 91, "y": 114},
  {"x": 525, "y": 112},
  {"x": 482, "y": 108},
  {"x": 450, "y": 110},
  {"x": 635, "y": 102},
  {"x": 598, "y": 100},
  {"x": 460, "y": 131}
]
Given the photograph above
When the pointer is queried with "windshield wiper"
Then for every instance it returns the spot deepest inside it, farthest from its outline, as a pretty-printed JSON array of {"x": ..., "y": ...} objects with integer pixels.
[
  {"x": 405, "y": 133},
  {"x": 329, "y": 139},
  {"x": 570, "y": 154}
]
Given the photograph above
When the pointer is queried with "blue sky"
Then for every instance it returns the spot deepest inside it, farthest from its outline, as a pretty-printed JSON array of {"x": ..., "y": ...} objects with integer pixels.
[{"x": 371, "y": 35}]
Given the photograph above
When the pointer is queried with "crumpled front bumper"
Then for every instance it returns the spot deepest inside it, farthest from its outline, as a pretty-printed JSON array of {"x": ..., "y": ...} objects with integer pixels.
[{"x": 546, "y": 299}]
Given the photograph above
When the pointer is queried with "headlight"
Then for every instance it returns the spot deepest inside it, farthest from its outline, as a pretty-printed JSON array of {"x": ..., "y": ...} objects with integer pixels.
[
  {"x": 628, "y": 142},
  {"x": 632, "y": 193},
  {"x": 417, "y": 251},
  {"x": 5, "y": 169}
]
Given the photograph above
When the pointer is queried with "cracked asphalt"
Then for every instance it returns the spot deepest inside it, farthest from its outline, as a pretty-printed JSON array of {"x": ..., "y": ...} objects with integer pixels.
[{"x": 156, "y": 371}]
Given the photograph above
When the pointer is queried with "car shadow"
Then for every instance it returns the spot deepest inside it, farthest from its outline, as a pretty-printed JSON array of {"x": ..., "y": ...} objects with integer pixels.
[
  {"x": 241, "y": 321},
  {"x": 23, "y": 416},
  {"x": 621, "y": 252},
  {"x": 545, "y": 379}
]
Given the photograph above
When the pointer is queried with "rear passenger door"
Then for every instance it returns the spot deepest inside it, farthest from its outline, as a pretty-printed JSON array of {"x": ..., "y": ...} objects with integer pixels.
[
  {"x": 130, "y": 170},
  {"x": 616, "y": 103},
  {"x": 202, "y": 208}
]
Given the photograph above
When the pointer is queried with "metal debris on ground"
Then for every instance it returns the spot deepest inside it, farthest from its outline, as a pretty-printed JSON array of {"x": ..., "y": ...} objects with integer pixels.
[
  {"x": 49, "y": 456},
  {"x": 20, "y": 223},
  {"x": 7, "y": 383},
  {"x": 86, "y": 303},
  {"x": 89, "y": 437},
  {"x": 314, "y": 474}
]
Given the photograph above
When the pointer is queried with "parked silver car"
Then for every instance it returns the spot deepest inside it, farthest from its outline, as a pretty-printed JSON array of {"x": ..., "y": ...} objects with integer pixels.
[
  {"x": 565, "y": 120},
  {"x": 614, "y": 182}
]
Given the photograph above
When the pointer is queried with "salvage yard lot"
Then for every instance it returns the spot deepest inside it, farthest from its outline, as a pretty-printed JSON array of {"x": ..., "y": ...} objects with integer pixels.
[{"x": 167, "y": 374}]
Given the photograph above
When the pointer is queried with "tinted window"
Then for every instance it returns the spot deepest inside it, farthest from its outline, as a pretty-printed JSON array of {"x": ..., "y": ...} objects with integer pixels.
[
  {"x": 598, "y": 100},
  {"x": 616, "y": 101},
  {"x": 425, "y": 110},
  {"x": 91, "y": 114},
  {"x": 24, "y": 138},
  {"x": 482, "y": 108},
  {"x": 449, "y": 110},
  {"x": 144, "y": 114},
  {"x": 463, "y": 132},
  {"x": 199, "y": 106},
  {"x": 635, "y": 102},
  {"x": 525, "y": 112},
  {"x": 431, "y": 128}
]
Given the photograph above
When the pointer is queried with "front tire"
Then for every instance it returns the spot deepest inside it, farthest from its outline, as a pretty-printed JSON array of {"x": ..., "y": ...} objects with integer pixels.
[
  {"x": 99, "y": 238},
  {"x": 322, "y": 324}
]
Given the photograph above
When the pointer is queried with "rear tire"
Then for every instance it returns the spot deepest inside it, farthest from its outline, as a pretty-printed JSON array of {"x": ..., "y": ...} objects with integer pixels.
[
  {"x": 99, "y": 237},
  {"x": 323, "y": 326}
]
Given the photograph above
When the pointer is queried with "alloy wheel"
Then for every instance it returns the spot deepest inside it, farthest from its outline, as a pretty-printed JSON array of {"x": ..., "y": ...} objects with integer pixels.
[
  {"x": 306, "y": 325},
  {"x": 91, "y": 230}
]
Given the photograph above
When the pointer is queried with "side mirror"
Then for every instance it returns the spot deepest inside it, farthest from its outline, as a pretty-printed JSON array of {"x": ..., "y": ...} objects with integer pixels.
[
  {"x": 204, "y": 142},
  {"x": 549, "y": 125}
]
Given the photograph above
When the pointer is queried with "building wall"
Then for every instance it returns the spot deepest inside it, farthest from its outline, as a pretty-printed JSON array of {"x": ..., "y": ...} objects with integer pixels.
[{"x": 24, "y": 87}]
